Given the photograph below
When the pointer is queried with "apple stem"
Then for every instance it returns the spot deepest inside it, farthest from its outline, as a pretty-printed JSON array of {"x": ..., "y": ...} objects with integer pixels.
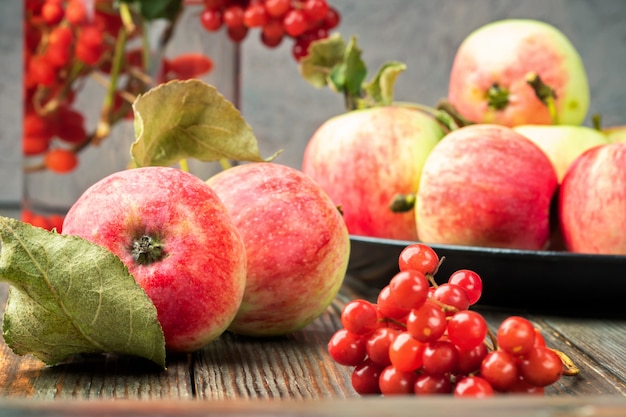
[
  {"x": 497, "y": 97},
  {"x": 545, "y": 93},
  {"x": 402, "y": 203},
  {"x": 146, "y": 250},
  {"x": 596, "y": 121},
  {"x": 184, "y": 165}
]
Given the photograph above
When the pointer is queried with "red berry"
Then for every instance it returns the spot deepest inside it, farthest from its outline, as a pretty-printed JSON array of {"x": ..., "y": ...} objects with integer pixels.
[
  {"x": 60, "y": 161},
  {"x": 500, "y": 369},
  {"x": 295, "y": 23},
  {"x": 211, "y": 19},
  {"x": 516, "y": 335},
  {"x": 255, "y": 15},
  {"x": 233, "y": 16},
  {"x": 470, "y": 281},
  {"x": 541, "y": 366},
  {"x": 52, "y": 12},
  {"x": 467, "y": 329},
  {"x": 277, "y": 8},
  {"x": 473, "y": 386},
  {"x": 419, "y": 257}
]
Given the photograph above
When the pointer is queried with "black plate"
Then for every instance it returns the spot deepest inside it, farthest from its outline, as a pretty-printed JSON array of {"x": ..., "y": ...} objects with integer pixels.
[{"x": 553, "y": 282}]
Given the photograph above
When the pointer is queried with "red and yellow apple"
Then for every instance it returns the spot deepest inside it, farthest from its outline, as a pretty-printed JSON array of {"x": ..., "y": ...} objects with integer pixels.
[
  {"x": 178, "y": 241},
  {"x": 563, "y": 143},
  {"x": 592, "y": 202},
  {"x": 490, "y": 73},
  {"x": 364, "y": 158},
  {"x": 296, "y": 242},
  {"x": 486, "y": 185}
]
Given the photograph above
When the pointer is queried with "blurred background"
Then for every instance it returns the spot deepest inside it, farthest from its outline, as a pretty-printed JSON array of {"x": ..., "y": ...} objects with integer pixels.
[{"x": 284, "y": 110}]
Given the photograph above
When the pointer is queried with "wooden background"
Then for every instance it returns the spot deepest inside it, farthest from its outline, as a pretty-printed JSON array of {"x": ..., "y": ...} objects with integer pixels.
[{"x": 284, "y": 110}]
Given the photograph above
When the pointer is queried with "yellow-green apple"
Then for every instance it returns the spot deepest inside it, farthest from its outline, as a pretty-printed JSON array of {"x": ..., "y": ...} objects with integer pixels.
[
  {"x": 178, "y": 241},
  {"x": 563, "y": 143},
  {"x": 489, "y": 79},
  {"x": 486, "y": 185},
  {"x": 364, "y": 158},
  {"x": 592, "y": 201},
  {"x": 297, "y": 246},
  {"x": 616, "y": 133}
]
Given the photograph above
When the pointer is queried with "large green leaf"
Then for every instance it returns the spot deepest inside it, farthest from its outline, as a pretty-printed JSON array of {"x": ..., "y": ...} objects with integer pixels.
[
  {"x": 190, "y": 119},
  {"x": 68, "y": 296}
]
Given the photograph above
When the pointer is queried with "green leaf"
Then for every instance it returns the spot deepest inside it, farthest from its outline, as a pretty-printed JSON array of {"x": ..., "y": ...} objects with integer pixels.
[
  {"x": 157, "y": 9},
  {"x": 68, "y": 296},
  {"x": 351, "y": 73},
  {"x": 190, "y": 119},
  {"x": 380, "y": 89},
  {"x": 324, "y": 55}
]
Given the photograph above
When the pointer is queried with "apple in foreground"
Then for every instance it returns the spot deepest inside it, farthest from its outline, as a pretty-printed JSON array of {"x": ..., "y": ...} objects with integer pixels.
[
  {"x": 592, "y": 202},
  {"x": 178, "y": 241},
  {"x": 364, "y": 158},
  {"x": 492, "y": 66},
  {"x": 297, "y": 246},
  {"x": 486, "y": 185},
  {"x": 562, "y": 143}
]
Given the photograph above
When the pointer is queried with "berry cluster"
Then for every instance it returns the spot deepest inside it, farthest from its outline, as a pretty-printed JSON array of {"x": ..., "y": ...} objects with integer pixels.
[
  {"x": 421, "y": 338},
  {"x": 302, "y": 20},
  {"x": 68, "y": 43}
]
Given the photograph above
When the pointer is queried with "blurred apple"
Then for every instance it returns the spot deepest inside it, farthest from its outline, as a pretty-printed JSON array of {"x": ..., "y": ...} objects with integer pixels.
[
  {"x": 562, "y": 143},
  {"x": 592, "y": 202},
  {"x": 486, "y": 185},
  {"x": 616, "y": 133},
  {"x": 297, "y": 246},
  {"x": 364, "y": 158},
  {"x": 489, "y": 80}
]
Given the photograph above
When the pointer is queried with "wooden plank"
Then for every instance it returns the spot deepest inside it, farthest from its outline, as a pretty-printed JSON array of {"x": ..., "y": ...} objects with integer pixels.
[
  {"x": 370, "y": 407},
  {"x": 293, "y": 366},
  {"x": 601, "y": 341}
]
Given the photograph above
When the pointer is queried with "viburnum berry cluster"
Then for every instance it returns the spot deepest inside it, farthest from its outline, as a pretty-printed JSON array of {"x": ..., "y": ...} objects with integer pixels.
[
  {"x": 65, "y": 43},
  {"x": 304, "y": 21},
  {"x": 421, "y": 338}
]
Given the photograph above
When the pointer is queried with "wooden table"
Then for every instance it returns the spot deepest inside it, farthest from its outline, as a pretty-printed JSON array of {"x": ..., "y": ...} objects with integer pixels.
[{"x": 294, "y": 375}]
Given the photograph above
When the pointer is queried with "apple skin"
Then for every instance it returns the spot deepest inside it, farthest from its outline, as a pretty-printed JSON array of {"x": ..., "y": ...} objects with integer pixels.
[
  {"x": 616, "y": 133},
  {"x": 363, "y": 158},
  {"x": 561, "y": 143},
  {"x": 486, "y": 185},
  {"x": 504, "y": 53},
  {"x": 296, "y": 242},
  {"x": 197, "y": 287},
  {"x": 592, "y": 202}
]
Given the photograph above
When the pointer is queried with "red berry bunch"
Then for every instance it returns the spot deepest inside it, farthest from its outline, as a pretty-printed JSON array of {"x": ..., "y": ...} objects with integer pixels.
[
  {"x": 68, "y": 43},
  {"x": 421, "y": 338},
  {"x": 302, "y": 20}
]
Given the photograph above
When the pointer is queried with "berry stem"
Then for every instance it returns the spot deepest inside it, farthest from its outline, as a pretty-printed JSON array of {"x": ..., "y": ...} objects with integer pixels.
[{"x": 570, "y": 368}]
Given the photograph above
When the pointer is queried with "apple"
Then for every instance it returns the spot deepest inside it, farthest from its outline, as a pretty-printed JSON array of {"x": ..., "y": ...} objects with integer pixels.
[
  {"x": 178, "y": 241},
  {"x": 486, "y": 185},
  {"x": 563, "y": 143},
  {"x": 489, "y": 79},
  {"x": 297, "y": 246},
  {"x": 364, "y": 158},
  {"x": 592, "y": 202},
  {"x": 616, "y": 133}
]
